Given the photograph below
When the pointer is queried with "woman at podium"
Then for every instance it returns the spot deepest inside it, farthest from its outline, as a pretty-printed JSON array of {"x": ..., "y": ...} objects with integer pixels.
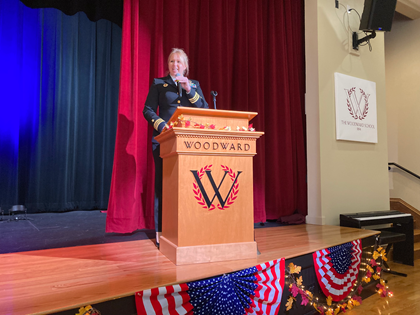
[{"x": 165, "y": 95}]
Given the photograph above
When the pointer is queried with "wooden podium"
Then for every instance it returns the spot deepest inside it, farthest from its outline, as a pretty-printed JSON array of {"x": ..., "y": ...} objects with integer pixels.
[{"x": 207, "y": 206}]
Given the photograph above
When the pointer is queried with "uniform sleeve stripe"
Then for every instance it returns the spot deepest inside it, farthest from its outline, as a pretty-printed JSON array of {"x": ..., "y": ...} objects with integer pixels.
[
  {"x": 195, "y": 98},
  {"x": 157, "y": 123}
]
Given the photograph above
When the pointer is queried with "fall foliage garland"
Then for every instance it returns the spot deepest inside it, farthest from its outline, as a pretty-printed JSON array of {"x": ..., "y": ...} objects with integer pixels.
[{"x": 372, "y": 270}]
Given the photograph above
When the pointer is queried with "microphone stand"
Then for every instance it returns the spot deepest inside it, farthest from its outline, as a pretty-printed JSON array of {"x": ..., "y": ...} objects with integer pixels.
[{"x": 214, "y": 94}]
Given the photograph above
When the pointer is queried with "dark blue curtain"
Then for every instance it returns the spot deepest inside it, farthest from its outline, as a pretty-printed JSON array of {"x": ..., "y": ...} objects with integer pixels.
[{"x": 58, "y": 108}]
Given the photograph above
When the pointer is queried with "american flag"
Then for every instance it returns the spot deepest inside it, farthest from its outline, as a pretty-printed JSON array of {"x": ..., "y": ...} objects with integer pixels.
[
  {"x": 337, "y": 269},
  {"x": 255, "y": 290}
]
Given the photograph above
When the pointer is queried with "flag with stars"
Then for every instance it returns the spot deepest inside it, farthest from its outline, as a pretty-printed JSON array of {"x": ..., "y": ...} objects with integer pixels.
[
  {"x": 256, "y": 290},
  {"x": 337, "y": 269}
]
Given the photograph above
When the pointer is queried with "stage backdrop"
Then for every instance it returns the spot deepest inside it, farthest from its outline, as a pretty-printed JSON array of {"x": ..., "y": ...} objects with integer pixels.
[
  {"x": 252, "y": 54},
  {"x": 59, "y": 98}
]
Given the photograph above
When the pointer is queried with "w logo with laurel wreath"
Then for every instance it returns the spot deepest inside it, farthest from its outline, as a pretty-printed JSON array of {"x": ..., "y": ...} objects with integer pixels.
[
  {"x": 357, "y": 103},
  {"x": 202, "y": 195}
]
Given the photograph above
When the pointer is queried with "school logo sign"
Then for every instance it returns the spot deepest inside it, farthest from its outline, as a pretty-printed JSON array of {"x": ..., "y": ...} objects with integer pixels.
[
  {"x": 355, "y": 109},
  {"x": 207, "y": 197},
  {"x": 357, "y": 103}
]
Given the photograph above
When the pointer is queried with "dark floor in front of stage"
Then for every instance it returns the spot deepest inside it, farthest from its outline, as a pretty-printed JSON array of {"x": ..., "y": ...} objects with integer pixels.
[{"x": 64, "y": 229}]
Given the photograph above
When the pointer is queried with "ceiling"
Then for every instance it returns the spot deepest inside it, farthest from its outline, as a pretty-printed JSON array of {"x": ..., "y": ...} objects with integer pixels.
[{"x": 409, "y": 8}]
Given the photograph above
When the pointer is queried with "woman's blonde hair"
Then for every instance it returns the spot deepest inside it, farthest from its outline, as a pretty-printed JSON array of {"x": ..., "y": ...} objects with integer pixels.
[{"x": 183, "y": 56}]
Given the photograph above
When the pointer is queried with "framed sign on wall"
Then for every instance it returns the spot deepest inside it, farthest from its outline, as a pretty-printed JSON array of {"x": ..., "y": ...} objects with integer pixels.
[{"x": 355, "y": 109}]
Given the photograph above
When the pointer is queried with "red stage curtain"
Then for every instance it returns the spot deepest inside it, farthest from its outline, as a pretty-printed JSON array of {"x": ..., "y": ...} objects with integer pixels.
[{"x": 251, "y": 53}]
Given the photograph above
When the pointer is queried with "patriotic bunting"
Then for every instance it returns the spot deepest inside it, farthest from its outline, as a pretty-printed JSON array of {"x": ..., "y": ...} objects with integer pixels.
[
  {"x": 337, "y": 269},
  {"x": 255, "y": 290}
]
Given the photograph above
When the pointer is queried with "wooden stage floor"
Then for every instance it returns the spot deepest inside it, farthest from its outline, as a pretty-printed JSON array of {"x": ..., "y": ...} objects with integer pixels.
[{"x": 48, "y": 281}]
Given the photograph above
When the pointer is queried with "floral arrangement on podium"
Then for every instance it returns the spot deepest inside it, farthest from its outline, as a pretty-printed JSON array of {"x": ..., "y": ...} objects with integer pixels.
[{"x": 182, "y": 122}]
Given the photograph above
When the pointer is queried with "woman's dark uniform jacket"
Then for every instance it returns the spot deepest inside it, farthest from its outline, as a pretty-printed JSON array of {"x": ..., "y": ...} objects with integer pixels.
[{"x": 163, "y": 94}]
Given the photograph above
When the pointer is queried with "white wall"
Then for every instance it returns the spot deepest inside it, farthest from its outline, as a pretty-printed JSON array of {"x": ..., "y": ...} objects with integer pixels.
[
  {"x": 343, "y": 176},
  {"x": 403, "y": 95}
]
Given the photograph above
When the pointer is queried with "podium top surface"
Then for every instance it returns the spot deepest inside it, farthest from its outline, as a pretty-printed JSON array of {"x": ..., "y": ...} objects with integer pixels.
[{"x": 212, "y": 113}]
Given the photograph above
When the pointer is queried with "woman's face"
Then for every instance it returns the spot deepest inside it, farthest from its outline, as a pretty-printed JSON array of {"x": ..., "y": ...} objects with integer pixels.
[{"x": 175, "y": 65}]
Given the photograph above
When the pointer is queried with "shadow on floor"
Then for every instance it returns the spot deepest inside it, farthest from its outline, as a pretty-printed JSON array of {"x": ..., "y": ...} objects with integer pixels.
[
  {"x": 66, "y": 229},
  {"x": 56, "y": 230}
]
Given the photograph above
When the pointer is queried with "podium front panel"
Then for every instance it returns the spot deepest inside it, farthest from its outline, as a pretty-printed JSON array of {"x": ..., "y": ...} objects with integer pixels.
[{"x": 207, "y": 200}]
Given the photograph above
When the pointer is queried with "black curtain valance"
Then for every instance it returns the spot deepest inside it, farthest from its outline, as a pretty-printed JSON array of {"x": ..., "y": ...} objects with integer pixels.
[{"x": 111, "y": 10}]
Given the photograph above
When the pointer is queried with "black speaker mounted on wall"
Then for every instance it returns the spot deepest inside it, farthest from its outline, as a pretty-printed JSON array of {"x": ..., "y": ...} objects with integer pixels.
[{"x": 377, "y": 16}]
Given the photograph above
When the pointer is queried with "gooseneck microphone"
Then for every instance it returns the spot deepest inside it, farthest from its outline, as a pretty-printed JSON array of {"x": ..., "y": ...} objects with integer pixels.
[
  {"x": 214, "y": 94},
  {"x": 179, "y": 85}
]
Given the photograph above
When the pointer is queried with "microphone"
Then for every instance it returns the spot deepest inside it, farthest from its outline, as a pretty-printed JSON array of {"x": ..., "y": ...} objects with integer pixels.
[
  {"x": 179, "y": 85},
  {"x": 214, "y": 94}
]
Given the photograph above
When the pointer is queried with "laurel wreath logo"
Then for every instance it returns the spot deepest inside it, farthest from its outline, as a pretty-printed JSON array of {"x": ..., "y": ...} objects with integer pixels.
[
  {"x": 196, "y": 189},
  {"x": 365, "y": 111},
  {"x": 350, "y": 108},
  {"x": 235, "y": 189},
  {"x": 199, "y": 195}
]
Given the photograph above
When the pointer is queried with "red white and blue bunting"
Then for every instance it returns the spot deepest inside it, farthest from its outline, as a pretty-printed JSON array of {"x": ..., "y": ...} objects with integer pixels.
[
  {"x": 256, "y": 290},
  {"x": 337, "y": 269}
]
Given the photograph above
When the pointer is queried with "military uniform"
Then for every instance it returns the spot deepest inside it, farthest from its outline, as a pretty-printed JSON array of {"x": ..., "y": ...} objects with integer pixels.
[{"x": 163, "y": 95}]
